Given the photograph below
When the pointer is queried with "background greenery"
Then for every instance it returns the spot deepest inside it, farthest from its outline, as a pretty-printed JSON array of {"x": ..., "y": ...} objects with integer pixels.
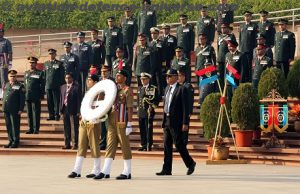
[{"x": 85, "y": 20}]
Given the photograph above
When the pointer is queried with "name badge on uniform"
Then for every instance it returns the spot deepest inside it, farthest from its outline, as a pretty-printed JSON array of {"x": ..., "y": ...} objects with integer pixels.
[
  {"x": 84, "y": 48},
  {"x": 35, "y": 76},
  {"x": 228, "y": 38},
  {"x": 206, "y": 21},
  {"x": 236, "y": 58},
  {"x": 223, "y": 15},
  {"x": 150, "y": 93},
  {"x": 186, "y": 30},
  {"x": 146, "y": 53},
  {"x": 71, "y": 59},
  {"x": 130, "y": 22},
  {"x": 149, "y": 12},
  {"x": 205, "y": 53},
  {"x": 285, "y": 36},
  {"x": 250, "y": 28},
  {"x": 267, "y": 27},
  {"x": 263, "y": 62},
  {"x": 16, "y": 87},
  {"x": 96, "y": 45},
  {"x": 114, "y": 33},
  {"x": 55, "y": 66},
  {"x": 170, "y": 40},
  {"x": 158, "y": 45},
  {"x": 181, "y": 63}
]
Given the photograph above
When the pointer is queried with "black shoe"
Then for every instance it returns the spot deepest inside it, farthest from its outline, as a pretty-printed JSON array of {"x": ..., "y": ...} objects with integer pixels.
[
  {"x": 101, "y": 176},
  {"x": 149, "y": 148},
  {"x": 14, "y": 145},
  {"x": 73, "y": 175},
  {"x": 75, "y": 147},
  {"x": 191, "y": 169},
  {"x": 163, "y": 173},
  {"x": 66, "y": 147},
  {"x": 36, "y": 132},
  {"x": 123, "y": 177},
  {"x": 8, "y": 145},
  {"x": 57, "y": 118},
  {"x": 29, "y": 132},
  {"x": 102, "y": 147},
  {"x": 143, "y": 148},
  {"x": 90, "y": 176},
  {"x": 50, "y": 118}
]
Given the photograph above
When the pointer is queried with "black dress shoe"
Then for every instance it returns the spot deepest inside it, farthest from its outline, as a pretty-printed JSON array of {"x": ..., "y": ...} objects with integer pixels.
[
  {"x": 74, "y": 147},
  {"x": 57, "y": 118},
  {"x": 149, "y": 148},
  {"x": 191, "y": 169},
  {"x": 123, "y": 177},
  {"x": 50, "y": 118},
  {"x": 90, "y": 176},
  {"x": 101, "y": 176},
  {"x": 29, "y": 132},
  {"x": 36, "y": 132},
  {"x": 66, "y": 147},
  {"x": 14, "y": 145},
  {"x": 73, "y": 175},
  {"x": 8, "y": 145},
  {"x": 163, "y": 173},
  {"x": 102, "y": 147},
  {"x": 142, "y": 149}
]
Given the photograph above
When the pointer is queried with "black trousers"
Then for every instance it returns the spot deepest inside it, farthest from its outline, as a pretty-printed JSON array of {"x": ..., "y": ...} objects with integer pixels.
[
  {"x": 221, "y": 69},
  {"x": 205, "y": 91},
  {"x": 12, "y": 121},
  {"x": 34, "y": 115},
  {"x": 82, "y": 81},
  {"x": 53, "y": 98},
  {"x": 128, "y": 53},
  {"x": 146, "y": 131},
  {"x": 174, "y": 135},
  {"x": 157, "y": 81},
  {"x": 110, "y": 59},
  {"x": 138, "y": 80},
  {"x": 71, "y": 125},
  {"x": 284, "y": 66}
]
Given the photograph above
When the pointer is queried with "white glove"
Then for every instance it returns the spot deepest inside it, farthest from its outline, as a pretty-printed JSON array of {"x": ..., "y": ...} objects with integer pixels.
[{"x": 128, "y": 128}]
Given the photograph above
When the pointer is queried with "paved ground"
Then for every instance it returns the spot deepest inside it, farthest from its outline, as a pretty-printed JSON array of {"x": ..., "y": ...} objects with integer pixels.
[{"x": 46, "y": 174}]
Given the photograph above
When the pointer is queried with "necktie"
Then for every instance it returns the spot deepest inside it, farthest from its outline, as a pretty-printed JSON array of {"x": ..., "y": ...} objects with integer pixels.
[
  {"x": 67, "y": 93},
  {"x": 166, "y": 108},
  {"x": 120, "y": 66}
]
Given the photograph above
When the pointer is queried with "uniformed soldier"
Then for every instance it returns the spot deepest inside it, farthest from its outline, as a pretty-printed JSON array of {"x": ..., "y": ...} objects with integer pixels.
[
  {"x": 113, "y": 38},
  {"x": 35, "y": 91},
  {"x": 188, "y": 88},
  {"x": 13, "y": 105},
  {"x": 158, "y": 47},
  {"x": 170, "y": 43},
  {"x": 185, "y": 36},
  {"x": 70, "y": 61},
  {"x": 266, "y": 27},
  {"x": 247, "y": 39},
  {"x": 180, "y": 61},
  {"x": 54, "y": 73},
  {"x": 130, "y": 33},
  {"x": 143, "y": 58},
  {"x": 98, "y": 50},
  {"x": 5, "y": 59},
  {"x": 261, "y": 62},
  {"x": 206, "y": 24},
  {"x": 285, "y": 45},
  {"x": 261, "y": 39},
  {"x": 224, "y": 16},
  {"x": 121, "y": 64},
  {"x": 223, "y": 49},
  {"x": 146, "y": 19},
  {"x": 119, "y": 128},
  {"x": 148, "y": 100},
  {"x": 84, "y": 52}
]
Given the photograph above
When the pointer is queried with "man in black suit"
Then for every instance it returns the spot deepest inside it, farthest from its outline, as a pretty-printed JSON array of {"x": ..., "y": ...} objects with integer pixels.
[
  {"x": 70, "y": 100},
  {"x": 175, "y": 121}
]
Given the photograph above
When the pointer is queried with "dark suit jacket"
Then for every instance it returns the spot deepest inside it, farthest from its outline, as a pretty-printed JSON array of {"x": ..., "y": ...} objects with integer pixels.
[
  {"x": 74, "y": 99},
  {"x": 179, "y": 109}
]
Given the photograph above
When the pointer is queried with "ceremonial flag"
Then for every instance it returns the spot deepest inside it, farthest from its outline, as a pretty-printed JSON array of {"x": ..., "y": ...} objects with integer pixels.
[
  {"x": 208, "y": 75},
  {"x": 231, "y": 81},
  {"x": 281, "y": 118},
  {"x": 206, "y": 70},
  {"x": 233, "y": 71}
]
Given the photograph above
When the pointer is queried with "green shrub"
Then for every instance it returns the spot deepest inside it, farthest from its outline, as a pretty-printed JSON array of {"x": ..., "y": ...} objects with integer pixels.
[
  {"x": 245, "y": 107},
  {"x": 272, "y": 78},
  {"x": 293, "y": 80},
  {"x": 209, "y": 116}
]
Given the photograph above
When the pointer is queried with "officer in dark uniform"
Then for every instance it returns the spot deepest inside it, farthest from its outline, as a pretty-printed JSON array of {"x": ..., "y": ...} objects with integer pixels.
[
  {"x": 285, "y": 45},
  {"x": 121, "y": 64},
  {"x": 185, "y": 36},
  {"x": 247, "y": 39},
  {"x": 206, "y": 24},
  {"x": 35, "y": 91},
  {"x": 130, "y": 33},
  {"x": 261, "y": 39},
  {"x": 148, "y": 100},
  {"x": 84, "y": 52},
  {"x": 188, "y": 88},
  {"x": 146, "y": 19},
  {"x": 13, "y": 105},
  {"x": 266, "y": 27},
  {"x": 181, "y": 62},
  {"x": 261, "y": 62},
  {"x": 70, "y": 60},
  {"x": 223, "y": 49},
  {"x": 98, "y": 50},
  {"x": 113, "y": 38},
  {"x": 224, "y": 16},
  {"x": 54, "y": 73},
  {"x": 143, "y": 58},
  {"x": 170, "y": 43}
]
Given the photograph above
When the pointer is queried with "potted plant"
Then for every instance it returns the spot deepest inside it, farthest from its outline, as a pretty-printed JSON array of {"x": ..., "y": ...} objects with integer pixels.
[
  {"x": 295, "y": 112},
  {"x": 245, "y": 113},
  {"x": 209, "y": 116},
  {"x": 293, "y": 80}
]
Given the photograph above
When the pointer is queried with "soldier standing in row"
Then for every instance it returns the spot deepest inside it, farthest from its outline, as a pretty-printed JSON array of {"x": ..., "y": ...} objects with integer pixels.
[
  {"x": 266, "y": 27},
  {"x": 261, "y": 39},
  {"x": 13, "y": 105},
  {"x": 181, "y": 62},
  {"x": 285, "y": 45},
  {"x": 113, "y": 38},
  {"x": 35, "y": 91},
  {"x": 70, "y": 61},
  {"x": 185, "y": 36},
  {"x": 84, "y": 53},
  {"x": 130, "y": 33},
  {"x": 98, "y": 50},
  {"x": 121, "y": 64},
  {"x": 146, "y": 19},
  {"x": 54, "y": 73},
  {"x": 224, "y": 16},
  {"x": 206, "y": 24},
  {"x": 148, "y": 100}
]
